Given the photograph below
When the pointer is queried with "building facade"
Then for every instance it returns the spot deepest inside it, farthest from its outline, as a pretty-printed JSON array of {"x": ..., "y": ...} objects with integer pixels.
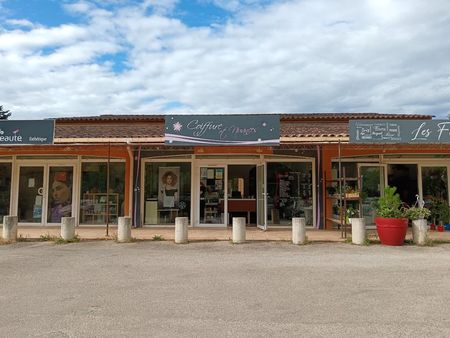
[{"x": 101, "y": 168}]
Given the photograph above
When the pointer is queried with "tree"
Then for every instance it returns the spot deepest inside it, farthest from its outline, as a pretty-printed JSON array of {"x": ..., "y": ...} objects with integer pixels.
[{"x": 4, "y": 114}]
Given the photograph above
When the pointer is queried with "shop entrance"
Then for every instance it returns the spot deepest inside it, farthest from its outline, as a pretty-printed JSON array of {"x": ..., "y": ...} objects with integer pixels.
[
  {"x": 225, "y": 192},
  {"x": 373, "y": 182},
  {"x": 268, "y": 193},
  {"x": 45, "y": 193}
]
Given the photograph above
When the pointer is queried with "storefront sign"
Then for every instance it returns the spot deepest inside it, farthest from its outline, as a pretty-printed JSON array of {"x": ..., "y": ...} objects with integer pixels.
[
  {"x": 222, "y": 130},
  {"x": 399, "y": 131},
  {"x": 27, "y": 132}
]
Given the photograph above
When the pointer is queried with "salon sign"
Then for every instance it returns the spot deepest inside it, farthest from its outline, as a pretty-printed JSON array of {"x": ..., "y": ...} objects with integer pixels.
[
  {"x": 27, "y": 132},
  {"x": 222, "y": 130},
  {"x": 399, "y": 131}
]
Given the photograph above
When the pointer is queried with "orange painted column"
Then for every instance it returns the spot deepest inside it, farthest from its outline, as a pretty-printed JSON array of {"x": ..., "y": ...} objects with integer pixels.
[{"x": 329, "y": 152}]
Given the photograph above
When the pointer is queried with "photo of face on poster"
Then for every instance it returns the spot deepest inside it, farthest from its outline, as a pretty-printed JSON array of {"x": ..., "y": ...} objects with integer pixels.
[
  {"x": 169, "y": 178},
  {"x": 60, "y": 196}
]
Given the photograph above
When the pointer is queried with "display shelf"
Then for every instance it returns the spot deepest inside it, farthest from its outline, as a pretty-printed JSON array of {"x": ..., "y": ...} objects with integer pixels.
[
  {"x": 95, "y": 208},
  {"x": 342, "y": 200}
]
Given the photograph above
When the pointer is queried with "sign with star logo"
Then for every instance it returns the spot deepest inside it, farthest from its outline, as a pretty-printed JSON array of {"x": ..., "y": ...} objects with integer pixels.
[{"x": 216, "y": 130}]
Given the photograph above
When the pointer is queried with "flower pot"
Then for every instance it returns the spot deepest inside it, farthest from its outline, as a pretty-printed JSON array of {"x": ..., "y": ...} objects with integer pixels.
[
  {"x": 440, "y": 228},
  {"x": 391, "y": 231}
]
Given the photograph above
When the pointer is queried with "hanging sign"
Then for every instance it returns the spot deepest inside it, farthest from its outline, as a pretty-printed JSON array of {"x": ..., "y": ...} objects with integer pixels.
[
  {"x": 399, "y": 131},
  {"x": 222, "y": 130},
  {"x": 27, "y": 132}
]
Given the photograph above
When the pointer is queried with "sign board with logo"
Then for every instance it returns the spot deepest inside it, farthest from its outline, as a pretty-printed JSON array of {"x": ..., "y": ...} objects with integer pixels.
[
  {"x": 27, "y": 132},
  {"x": 222, "y": 130},
  {"x": 399, "y": 131}
]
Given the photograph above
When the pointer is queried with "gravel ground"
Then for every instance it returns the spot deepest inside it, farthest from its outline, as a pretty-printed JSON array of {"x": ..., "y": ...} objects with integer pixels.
[{"x": 216, "y": 289}]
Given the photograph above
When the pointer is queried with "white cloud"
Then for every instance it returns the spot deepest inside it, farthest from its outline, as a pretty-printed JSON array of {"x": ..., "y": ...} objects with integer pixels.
[
  {"x": 20, "y": 23},
  {"x": 291, "y": 56},
  {"x": 160, "y": 7}
]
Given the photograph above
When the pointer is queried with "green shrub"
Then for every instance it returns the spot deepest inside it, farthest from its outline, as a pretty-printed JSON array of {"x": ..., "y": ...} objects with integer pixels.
[
  {"x": 414, "y": 213},
  {"x": 390, "y": 204}
]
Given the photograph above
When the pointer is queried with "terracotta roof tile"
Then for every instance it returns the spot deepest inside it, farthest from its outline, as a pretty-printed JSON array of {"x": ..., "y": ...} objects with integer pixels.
[
  {"x": 314, "y": 129},
  {"x": 152, "y": 126},
  {"x": 143, "y": 130},
  {"x": 284, "y": 116},
  {"x": 123, "y": 130}
]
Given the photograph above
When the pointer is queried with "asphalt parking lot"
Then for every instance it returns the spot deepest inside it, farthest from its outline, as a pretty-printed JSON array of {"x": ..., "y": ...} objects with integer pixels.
[{"x": 217, "y": 289}]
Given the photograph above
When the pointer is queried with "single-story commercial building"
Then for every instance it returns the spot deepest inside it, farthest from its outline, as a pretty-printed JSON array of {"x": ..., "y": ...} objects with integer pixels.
[{"x": 265, "y": 167}]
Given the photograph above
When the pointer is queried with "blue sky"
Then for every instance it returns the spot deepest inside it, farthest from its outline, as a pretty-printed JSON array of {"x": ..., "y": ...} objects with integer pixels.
[{"x": 91, "y": 57}]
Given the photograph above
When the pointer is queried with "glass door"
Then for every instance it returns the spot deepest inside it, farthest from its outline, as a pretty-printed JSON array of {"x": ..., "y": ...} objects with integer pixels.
[
  {"x": 372, "y": 181},
  {"x": 59, "y": 193},
  {"x": 212, "y": 196},
  {"x": 5, "y": 189},
  {"x": 261, "y": 207},
  {"x": 434, "y": 185},
  {"x": 31, "y": 194}
]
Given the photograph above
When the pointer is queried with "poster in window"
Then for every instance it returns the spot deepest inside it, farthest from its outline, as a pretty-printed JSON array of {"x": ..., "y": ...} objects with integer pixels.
[
  {"x": 210, "y": 174},
  {"x": 219, "y": 174},
  {"x": 203, "y": 172},
  {"x": 169, "y": 178}
]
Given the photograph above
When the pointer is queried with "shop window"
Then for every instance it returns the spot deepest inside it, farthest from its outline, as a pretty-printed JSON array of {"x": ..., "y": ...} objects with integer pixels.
[
  {"x": 99, "y": 205},
  {"x": 434, "y": 184},
  {"x": 351, "y": 169},
  {"x": 60, "y": 194},
  {"x": 5, "y": 189},
  {"x": 167, "y": 192},
  {"x": 404, "y": 178},
  {"x": 289, "y": 192}
]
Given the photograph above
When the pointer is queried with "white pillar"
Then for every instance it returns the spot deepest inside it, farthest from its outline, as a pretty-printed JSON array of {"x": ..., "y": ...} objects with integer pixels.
[
  {"x": 358, "y": 230},
  {"x": 10, "y": 228},
  {"x": 420, "y": 231},
  {"x": 124, "y": 229},
  {"x": 68, "y": 228},
  {"x": 239, "y": 229},
  {"x": 298, "y": 230},
  {"x": 181, "y": 230}
]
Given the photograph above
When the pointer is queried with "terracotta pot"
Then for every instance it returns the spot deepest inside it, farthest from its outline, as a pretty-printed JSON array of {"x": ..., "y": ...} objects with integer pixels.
[{"x": 391, "y": 231}]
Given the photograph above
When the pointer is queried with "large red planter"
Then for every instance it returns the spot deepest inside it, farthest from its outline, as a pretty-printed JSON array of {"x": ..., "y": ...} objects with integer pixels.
[{"x": 392, "y": 231}]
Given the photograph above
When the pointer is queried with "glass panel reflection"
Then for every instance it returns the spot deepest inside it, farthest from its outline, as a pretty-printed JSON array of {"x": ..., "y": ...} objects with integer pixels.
[{"x": 31, "y": 192}]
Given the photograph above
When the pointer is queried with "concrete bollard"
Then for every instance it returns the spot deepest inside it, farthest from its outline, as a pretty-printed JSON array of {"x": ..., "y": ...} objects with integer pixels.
[
  {"x": 358, "y": 230},
  {"x": 299, "y": 230},
  {"x": 420, "y": 231},
  {"x": 239, "y": 230},
  {"x": 181, "y": 230},
  {"x": 10, "y": 228},
  {"x": 124, "y": 229},
  {"x": 68, "y": 228}
]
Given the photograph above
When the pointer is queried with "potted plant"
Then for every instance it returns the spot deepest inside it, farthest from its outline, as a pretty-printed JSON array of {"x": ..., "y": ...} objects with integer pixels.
[
  {"x": 418, "y": 214},
  {"x": 440, "y": 213},
  {"x": 391, "y": 222}
]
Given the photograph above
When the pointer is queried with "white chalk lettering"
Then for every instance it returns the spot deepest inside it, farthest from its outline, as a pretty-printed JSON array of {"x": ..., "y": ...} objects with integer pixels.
[
  {"x": 201, "y": 128},
  {"x": 443, "y": 127},
  {"x": 421, "y": 133}
]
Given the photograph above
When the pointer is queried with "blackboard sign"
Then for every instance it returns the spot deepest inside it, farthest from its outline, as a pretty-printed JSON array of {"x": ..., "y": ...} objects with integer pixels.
[
  {"x": 222, "y": 130},
  {"x": 399, "y": 131},
  {"x": 27, "y": 132}
]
